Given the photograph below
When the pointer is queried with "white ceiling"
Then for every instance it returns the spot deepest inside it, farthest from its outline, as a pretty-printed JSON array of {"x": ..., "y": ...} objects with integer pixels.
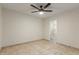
[{"x": 26, "y": 8}]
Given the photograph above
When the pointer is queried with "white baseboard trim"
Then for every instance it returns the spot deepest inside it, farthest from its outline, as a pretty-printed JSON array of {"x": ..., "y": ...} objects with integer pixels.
[{"x": 22, "y": 43}]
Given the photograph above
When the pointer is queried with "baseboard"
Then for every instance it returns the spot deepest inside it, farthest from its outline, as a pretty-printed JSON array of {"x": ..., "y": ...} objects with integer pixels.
[
  {"x": 22, "y": 43},
  {"x": 67, "y": 45}
]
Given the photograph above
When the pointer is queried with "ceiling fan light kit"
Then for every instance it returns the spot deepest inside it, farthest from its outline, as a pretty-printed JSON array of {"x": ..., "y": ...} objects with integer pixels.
[
  {"x": 41, "y": 9},
  {"x": 41, "y": 13}
]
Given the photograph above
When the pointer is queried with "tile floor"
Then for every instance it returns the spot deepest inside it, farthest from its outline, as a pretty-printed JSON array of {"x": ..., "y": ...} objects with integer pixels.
[{"x": 39, "y": 47}]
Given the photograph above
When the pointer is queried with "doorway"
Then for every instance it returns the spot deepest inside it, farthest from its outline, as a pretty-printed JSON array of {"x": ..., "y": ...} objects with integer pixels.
[{"x": 52, "y": 30}]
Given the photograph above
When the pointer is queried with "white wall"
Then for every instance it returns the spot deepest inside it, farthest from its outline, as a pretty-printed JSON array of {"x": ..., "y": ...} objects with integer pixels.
[
  {"x": 0, "y": 26},
  {"x": 20, "y": 28},
  {"x": 68, "y": 28},
  {"x": 46, "y": 28}
]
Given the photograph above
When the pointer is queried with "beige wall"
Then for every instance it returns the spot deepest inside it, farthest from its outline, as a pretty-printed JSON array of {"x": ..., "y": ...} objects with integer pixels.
[
  {"x": 68, "y": 27},
  {"x": 20, "y": 28},
  {"x": 0, "y": 26}
]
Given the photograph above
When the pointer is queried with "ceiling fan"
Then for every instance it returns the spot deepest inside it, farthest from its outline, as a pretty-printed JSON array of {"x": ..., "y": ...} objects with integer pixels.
[{"x": 41, "y": 8}]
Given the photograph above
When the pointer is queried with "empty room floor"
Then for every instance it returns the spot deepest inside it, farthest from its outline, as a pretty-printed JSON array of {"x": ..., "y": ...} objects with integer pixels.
[{"x": 39, "y": 47}]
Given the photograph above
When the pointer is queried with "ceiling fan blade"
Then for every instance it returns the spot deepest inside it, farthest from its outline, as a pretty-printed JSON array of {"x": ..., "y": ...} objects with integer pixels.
[
  {"x": 34, "y": 6},
  {"x": 35, "y": 11},
  {"x": 47, "y": 10},
  {"x": 47, "y": 5}
]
